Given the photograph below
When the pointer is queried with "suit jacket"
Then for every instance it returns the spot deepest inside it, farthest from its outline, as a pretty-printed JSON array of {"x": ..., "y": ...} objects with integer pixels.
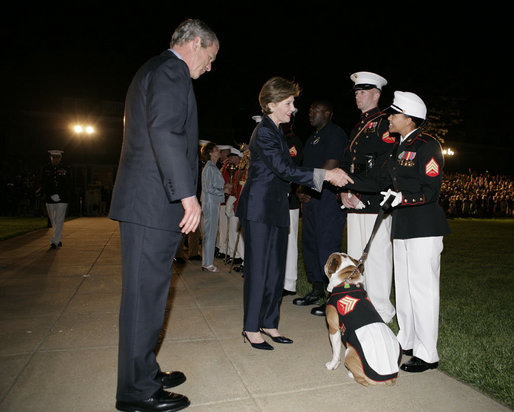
[
  {"x": 264, "y": 197},
  {"x": 159, "y": 157},
  {"x": 415, "y": 169}
]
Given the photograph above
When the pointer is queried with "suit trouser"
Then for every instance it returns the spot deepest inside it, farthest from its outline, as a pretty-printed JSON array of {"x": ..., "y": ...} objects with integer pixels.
[
  {"x": 322, "y": 233},
  {"x": 265, "y": 252},
  {"x": 378, "y": 266},
  {"x": 56, "y": 214},
  {"x": 147, "y": 256},
  {"x": 417, "y": 264},
  {"x": 292, "y": 251},
  {"x": 210, "y": 227}
]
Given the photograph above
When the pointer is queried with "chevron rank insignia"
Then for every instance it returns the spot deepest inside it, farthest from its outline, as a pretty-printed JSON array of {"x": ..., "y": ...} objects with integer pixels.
[
  {"x": 432, "y": 168},
  {"x": 346, "y": 304},
  {"x": 387, "y": 138}
]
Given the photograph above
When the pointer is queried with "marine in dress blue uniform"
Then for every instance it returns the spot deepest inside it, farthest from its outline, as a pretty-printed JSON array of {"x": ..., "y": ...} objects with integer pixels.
[
  {"x": 370, "y": 145},
  {"x": 414, "y": 177},
  {"x": 56, "y": 186}
]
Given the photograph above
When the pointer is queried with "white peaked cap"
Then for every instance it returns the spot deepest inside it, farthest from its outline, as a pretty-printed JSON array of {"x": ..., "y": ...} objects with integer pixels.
[
  {"x": 367, "y": 80},
  {"x": 236, "y": 152},
  {"x": 55, "y": 152},
  {"x": 410, "y": 104}
]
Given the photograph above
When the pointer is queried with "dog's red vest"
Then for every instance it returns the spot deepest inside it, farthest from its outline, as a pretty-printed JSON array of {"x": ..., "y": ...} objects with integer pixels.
[{"x": 355, "y": 311}]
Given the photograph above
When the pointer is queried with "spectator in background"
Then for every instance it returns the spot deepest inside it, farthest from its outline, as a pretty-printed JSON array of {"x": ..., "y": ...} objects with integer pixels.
[
  {"x": 213, "y": 193},
  {"x": 56, "y": 185}
]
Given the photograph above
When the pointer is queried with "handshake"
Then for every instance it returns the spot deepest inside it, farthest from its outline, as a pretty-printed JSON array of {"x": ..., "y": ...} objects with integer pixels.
[{"x": 337, "y": 177}]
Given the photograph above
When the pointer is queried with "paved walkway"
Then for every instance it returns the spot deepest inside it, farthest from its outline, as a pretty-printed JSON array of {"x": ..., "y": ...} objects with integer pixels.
[{"x": 58, "y": 341}]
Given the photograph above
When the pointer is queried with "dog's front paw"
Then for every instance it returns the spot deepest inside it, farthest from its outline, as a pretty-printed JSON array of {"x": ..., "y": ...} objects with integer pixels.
[{"x": 333, "y": 364}]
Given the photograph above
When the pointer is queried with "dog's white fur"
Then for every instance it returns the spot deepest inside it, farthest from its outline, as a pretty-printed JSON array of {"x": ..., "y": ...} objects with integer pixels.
[{"x": 342, "y": 268}]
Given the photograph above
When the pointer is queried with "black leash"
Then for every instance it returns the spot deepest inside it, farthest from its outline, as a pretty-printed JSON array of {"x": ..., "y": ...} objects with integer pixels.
[{"x": 383, "y": 209}]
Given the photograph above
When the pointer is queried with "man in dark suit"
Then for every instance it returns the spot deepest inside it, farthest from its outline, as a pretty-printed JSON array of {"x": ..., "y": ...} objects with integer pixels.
[{"x": 154, "y": 200}]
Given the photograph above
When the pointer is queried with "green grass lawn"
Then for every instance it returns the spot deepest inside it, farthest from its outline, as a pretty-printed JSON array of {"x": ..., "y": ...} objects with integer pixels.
[
  {"x": 13, "y": 226},
  {"x": 476, "y": 334},
  {"x": 476, "y": 327}
]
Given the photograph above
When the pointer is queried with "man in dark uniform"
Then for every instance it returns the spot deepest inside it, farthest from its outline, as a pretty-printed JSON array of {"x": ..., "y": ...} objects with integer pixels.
[
  {"x": 370, "y": 146},
  {"x": 56, "y": 187},
  {"x": 322, "y": 220}
]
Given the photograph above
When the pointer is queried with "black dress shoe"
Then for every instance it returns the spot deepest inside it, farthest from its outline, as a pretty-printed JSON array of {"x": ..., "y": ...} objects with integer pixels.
[
  {"x": 238, "y": 261},
  {"x": 310, "y": 298},
  {"x": 277, "y": 339},
  {"x": 59, "y": 244},
  {"x": 159, "y": 401},
  {"x": 171, "y": 379},
  {"x": 286, "y": 292},
  {"x": 415, "y": 364},
  {"x": 195, "y": 257},
  {"x": 407, "y": 352},
  {"x": 263, "y": 345},
  {"x": 180, "y": 260},
  {"x": 219, "y": 255},
  {"x": 53, "y": 246},
  {"x": 319, "y": 310},
  {"x": 239, "y": 268}
]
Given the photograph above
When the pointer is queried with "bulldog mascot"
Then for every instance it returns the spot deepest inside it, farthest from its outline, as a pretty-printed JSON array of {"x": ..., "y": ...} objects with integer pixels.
[{"x": 373, "y": 353}]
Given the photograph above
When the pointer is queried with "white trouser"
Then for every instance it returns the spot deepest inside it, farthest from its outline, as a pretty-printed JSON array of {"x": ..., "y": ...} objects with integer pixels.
[
  {"x": 233, "y": 229},
  {"x": 292, "y": 251},
  {"x": 56, "y": 213},
  {"x": 378, "y": 266},
  {"x": 221, "y": 240},
  {"x": 417, "y": 264}
]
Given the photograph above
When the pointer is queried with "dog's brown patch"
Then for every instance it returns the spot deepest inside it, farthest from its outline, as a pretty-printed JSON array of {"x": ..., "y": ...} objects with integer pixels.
[
  {"x": 353, "y": 363},
  {"x": 350, "y": 270},
  {"x": 332, "y": 319},
  {"x": 334, "y": 261}
]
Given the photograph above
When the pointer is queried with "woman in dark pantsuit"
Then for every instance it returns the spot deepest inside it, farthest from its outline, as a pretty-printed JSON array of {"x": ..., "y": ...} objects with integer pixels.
[{"x": 263, "y": 210}]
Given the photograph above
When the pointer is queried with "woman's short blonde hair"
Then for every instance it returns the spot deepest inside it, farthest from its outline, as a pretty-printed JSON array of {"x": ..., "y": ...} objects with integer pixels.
[{"x": 275, "y": 90}]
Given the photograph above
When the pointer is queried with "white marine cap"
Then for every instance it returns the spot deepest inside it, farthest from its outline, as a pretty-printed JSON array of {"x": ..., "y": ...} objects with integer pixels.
[
  {"x": 257, "y": 119},
  {"x": 236, "y": 152},
  {"x": 367, "y": 80},
  {"x": 409, "y": 104},
  {"x": 55, "y": 152},
  {"x": 224, "y": 147},
  {"x": 203, "y": 142}
]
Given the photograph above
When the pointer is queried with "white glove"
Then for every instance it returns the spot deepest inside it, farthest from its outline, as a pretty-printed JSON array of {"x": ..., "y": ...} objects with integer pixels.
[
  {"x": 349, "y": 196},
  {"x": 397, "y": 197},
  {"x": 55, "y": 198},
  {"x": 229, "y": 206}
]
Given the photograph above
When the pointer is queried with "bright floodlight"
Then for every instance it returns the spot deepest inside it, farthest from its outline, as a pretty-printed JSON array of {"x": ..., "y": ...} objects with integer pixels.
[
  {"x": 90, "y": 130},
  {"x": 78, "y": 128}
]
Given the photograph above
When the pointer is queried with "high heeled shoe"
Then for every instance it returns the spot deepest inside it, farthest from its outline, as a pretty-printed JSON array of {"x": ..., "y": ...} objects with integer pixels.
[
  {"x": 210, "y": 268},
  {"x": 263, "y": 345},
  {"x": 277, "y": 339}
]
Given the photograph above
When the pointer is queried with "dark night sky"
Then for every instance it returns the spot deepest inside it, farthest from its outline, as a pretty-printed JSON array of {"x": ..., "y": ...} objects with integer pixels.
[{"x": 93, "y": 52}]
